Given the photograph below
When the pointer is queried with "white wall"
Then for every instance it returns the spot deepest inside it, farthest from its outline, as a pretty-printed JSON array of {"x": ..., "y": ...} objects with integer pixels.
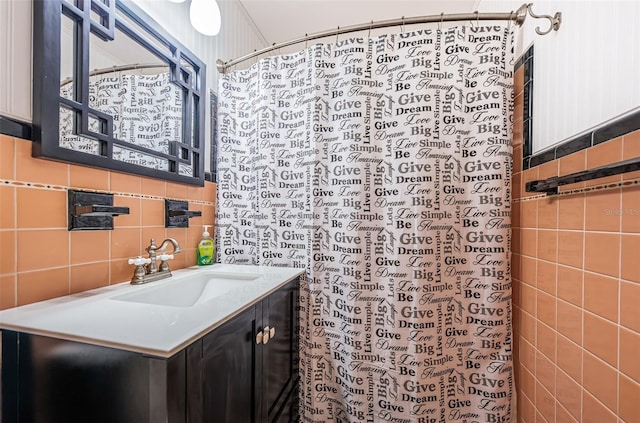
[
  {"x": 587, "y": 72},
  {"x": 237, "y": 37}
]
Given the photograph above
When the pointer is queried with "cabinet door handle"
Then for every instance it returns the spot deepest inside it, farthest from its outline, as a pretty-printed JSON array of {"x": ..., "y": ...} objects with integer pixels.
[
  {"x": 265, "y": 338},
  {"x": 272, "y": 332},
  {"x": 259, "y": 337}
]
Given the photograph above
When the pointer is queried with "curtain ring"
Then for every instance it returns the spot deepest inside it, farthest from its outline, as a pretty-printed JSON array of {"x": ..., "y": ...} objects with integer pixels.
[
  {"x": 370, "y": 26},
  {"x": 402, "y": 30},
  {"x": 337, "y": 32},
  {"x": 477, "y": 19},
  {"x": 510, "y": 20},
  {"x": 441, "y": 19},
  {"x": 306, "y": 40}
]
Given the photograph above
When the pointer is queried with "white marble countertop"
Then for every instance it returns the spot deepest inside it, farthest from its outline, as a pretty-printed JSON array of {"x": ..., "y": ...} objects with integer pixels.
[{"x": 96, "y": 317}]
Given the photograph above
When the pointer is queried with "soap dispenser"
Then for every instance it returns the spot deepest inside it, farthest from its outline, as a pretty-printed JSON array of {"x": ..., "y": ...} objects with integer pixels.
[{"x": 206, "y": 248}]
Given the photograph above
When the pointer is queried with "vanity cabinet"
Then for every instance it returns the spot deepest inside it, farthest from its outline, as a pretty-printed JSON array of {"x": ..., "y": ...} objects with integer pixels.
[{"x": 234, "y": 374}]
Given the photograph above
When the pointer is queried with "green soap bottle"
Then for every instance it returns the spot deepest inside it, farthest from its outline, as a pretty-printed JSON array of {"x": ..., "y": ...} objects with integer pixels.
[{"x": 206, "y": 248}]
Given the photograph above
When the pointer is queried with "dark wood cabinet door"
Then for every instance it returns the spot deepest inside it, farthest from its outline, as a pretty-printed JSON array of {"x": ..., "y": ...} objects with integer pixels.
[
  {"x": 229, "y": 371},
  {"x": 280, "y": 353}
]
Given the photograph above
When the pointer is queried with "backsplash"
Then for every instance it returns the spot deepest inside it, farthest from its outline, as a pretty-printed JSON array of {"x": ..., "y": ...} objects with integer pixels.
[
  {"x": 576, "y": 286},
  {"x": 41, "y": 259}
]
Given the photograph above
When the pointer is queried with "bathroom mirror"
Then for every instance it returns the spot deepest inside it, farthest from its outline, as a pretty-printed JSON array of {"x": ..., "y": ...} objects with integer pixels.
[{"x": 114, "y": 90}]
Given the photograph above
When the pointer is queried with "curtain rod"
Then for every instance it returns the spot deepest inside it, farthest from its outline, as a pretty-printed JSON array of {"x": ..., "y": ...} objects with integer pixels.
[
  {"x": 121, "y": 68},
  {"x": 518, "y": 17}
]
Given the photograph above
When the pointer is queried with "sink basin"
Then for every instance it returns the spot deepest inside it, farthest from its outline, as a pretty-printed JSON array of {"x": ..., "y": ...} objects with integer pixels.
[{"x": 188, "y": 291}]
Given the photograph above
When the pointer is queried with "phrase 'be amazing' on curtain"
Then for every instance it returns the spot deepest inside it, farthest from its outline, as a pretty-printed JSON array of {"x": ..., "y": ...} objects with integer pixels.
[{"x": 383, "y": 166}]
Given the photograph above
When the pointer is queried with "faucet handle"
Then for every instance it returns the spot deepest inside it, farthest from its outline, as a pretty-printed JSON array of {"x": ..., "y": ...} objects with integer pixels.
[
  {"x": 139, "y": 261},
  {"x": 165, "y": 257}
]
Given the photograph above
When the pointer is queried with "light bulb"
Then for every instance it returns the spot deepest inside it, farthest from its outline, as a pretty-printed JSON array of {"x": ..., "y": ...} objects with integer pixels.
[{"x": 205, "y": 16}]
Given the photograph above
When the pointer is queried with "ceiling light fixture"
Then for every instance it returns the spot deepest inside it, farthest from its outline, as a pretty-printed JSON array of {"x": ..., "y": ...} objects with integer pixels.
[{"x": 205, "y": 16}]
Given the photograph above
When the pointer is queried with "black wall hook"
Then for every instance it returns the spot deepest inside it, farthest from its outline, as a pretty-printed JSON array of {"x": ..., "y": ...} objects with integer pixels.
[
  {"x": 177, "y": 214},
  {"x": 92, "y": 210}
]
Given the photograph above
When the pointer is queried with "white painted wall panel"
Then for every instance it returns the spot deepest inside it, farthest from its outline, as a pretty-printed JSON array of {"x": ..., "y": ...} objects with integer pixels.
[{"x": 586, "y": 73}]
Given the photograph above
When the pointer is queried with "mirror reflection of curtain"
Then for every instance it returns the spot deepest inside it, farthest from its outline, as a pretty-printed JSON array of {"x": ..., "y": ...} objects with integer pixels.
[{"x": 146, "y": 110}]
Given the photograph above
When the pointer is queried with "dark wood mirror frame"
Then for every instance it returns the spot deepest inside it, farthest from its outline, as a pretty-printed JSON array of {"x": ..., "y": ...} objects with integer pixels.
[{"x": 47, "y": 100}]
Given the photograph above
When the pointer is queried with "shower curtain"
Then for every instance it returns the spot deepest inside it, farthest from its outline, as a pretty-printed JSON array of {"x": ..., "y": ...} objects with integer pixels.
[{"x": 382, "y": 166}]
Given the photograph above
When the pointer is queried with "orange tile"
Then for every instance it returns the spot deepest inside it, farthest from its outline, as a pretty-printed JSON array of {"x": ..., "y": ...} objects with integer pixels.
[
  {"x": 629, "y": 310},
  {"x": 601, "y": 295},
  {"x": 528, "y": 176},
  {"x": 195, "y": 193},
  {"x": 515, "y": 214},
  {"x": 603, "y": 154},
  {"x": 126, "y": 243},
  {"x": 42, "y": 285},
  {"x": 570, "y": 285},
  {"x": 8, "y": 248},
  {"x": 194, "y": 233},
  {"x": 7, "y": 156},
  {"x": 41, "y": 208},
  {"x": 570, "y": 321},
  {"x": 571, "y": 211},
  {"x": 177, "y": 191},
  {"x": 154, "y": 187},
  {"x": 526, "y": 410},
  {"x": 548, "y": 169},
  {"x": 602, "y": 211},
  {"x": 563, "y": 416},
  {"x": 518, "y": 81},
  {"x": 601, "y": 380},
  {"x": 89, "y": 276},
  {"x": 529, "y": 214},
  {"x": 573, "y": 163},
  {"x": 190, "y": 257},
  {"x": 631, "y": 209},
  {"x": 7, "y": 290},
  {"x": 629, "y": 406},
  {"x": 631, "y": 150},
  {"x": 593, "y": 411},
  {"x": 124, "y": 183},
  {"x": 570, "y": 248},
  {"x": 546, "y": 308},
  {"x": 601, "y": 338},
  {"x": 528, "y": 271},
  {"x": 602, "y": 253},
  {"x": 546, "y": 279},
  {"x": 56, "y": 254},
  {"x": 569, "y": 393},
  {"x": 121, "y": 271},
  {"x": 30, "y": 169},
  {"x": 528, "y": 299},
  {"x": 515, "y": 241},
  {"x": 630, "y": 257},
  {"x": 545, "y": 403},
  {"x": 548, "y": 212},
  {"x": 89, "y": 246},
  {"x": 152, "y": 212},
  {"x": 208, "y": 215},
  {"x": 516, "y": 266},
  {"x": 547, "y": 244},
  {"x": 180, "y": 235},
  {"x": 134, "y": 218},
  {"x": 528, "y": 382},
  {"x": 528, "y": 356},
  {"x": 517, "y": 158},
  {"x": 516, "y": 192},
  {"x": 7, "y": 207},
  {"x": 569, "y": 358},
  {"x": 546, "y": 343},
  {"x": 88, "y": 177},
  {"x": 528, "y": 328},
  {"x": 546, "y": 372},
  {"x": 528, "y": 242},
  {"x": 629, "y": 347}
]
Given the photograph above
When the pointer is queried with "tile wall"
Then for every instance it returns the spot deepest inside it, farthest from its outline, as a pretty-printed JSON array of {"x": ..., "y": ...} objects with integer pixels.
[
  {"x": 41, "y": 259},
  {"x": 576, "y": 287}
]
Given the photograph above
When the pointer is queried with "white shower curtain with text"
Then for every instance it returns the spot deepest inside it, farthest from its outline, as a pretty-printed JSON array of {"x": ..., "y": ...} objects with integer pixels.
[{"x": 383, "y": 166}]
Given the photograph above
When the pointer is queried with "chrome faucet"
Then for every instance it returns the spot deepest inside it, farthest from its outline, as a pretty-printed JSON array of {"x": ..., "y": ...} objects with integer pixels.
[{"x": 147, "y": 270}]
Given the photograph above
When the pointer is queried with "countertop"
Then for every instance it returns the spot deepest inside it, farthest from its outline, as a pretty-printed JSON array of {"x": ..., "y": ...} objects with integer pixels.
[{"x": 96, "y": 317}]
